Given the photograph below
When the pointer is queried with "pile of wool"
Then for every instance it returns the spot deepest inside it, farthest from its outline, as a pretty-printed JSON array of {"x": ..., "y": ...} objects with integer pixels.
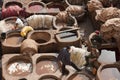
[
  {"x": 36, "y": 21},
  {"x": 40, "y": 21},
  {"x": 78, "y": 56},
  {"x": 48, "y": 21}
]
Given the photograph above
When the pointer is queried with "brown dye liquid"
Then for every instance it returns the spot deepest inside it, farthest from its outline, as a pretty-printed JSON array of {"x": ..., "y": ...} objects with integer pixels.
[
  {"x": 14, "y": 40},
  {"x": 40, "y": 41},
  {"x": 46, "y": 67},
  {"x": 80, "y": 77},
  {"x": 35, "y": 8},
  {"x": 16, "y": 71}
]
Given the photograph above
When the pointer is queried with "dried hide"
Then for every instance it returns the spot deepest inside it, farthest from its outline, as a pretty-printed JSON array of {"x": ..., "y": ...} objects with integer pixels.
[
  {"x": 111, "y": 28},
  {"x": 64, "y": 19},
  {"x": 75, "y": 10},
  {"x": 111, "y": 24},
  {"x": 94, "y": 5},
  {"x": 107, "y": 13}
]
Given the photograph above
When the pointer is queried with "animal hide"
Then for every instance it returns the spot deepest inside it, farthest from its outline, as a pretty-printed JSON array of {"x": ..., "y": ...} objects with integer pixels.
[
  {"x": 107, "y": 13},
  {"x": 94, "y": 5},
  {"x": 75, "y": 10},
  {"x": 111, "y": 28}
]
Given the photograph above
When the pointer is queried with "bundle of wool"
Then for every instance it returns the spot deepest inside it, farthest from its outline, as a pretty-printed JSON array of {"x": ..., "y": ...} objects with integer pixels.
[
  {"x": 78, "y": 56},
  {"x": 36, "y": 21},
  {"x": 48, "y": 21}
]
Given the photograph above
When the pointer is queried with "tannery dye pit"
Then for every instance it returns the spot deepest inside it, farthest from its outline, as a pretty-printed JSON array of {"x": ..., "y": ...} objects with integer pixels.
[
  {"x": 35, "y": 7},
  {"x": 113, "y": 74},
  {"x": 46, "y": 66},
  {"x": 38, "y": 38},
  {"x": 14, "y": 40},
  {"x": 49, "y": 77}
]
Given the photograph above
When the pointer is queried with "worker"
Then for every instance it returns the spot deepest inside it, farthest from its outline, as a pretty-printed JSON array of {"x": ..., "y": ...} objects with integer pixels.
[
  {"x": 64, "y": 57},
  {"x": 92, "y": 63}
]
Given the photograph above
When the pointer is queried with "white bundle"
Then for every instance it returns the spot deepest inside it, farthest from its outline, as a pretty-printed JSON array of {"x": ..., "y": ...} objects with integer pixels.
[
  {"x": 19, "y": 22},
  {"x": 48, "y": 21},
  {"x": 35, "y": 21},
  {"x": 5, "y": 27},
  {"x": 78, "y": 56}
]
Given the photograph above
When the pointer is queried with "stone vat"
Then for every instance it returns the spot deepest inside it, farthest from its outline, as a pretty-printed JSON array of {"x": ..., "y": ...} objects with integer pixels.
[
  {"x": 44, "y": 39},
  {"x": 12, "y": 42},
  {"x": 36, "y": 67},
  {"x": 68, "y": 37},
  {"x": 35, "y": 7}
]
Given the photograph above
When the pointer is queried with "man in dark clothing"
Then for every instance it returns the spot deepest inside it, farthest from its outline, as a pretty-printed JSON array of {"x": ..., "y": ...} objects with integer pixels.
[{"x": 64, "y": 57}]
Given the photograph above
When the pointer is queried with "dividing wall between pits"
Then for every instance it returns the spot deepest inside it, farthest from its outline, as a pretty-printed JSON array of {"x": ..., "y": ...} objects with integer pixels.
[{"x": 37, "y": 67}]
